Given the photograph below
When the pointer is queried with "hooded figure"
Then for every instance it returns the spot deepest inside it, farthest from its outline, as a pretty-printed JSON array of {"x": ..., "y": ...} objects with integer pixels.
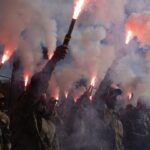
[
  {"x": 113, "y": 132},
  {"x": 30, "y": 129}
]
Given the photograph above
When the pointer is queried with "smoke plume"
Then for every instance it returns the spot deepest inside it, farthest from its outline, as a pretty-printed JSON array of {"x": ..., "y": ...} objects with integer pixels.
[{"x": 138, "y": 23}]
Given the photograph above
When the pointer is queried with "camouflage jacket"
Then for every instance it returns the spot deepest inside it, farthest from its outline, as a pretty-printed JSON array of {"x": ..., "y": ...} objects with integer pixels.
[
  {"x": 5, "y": 143},
  {"x": 47, "y": 133},
  {"x": 115, "y": 130}
]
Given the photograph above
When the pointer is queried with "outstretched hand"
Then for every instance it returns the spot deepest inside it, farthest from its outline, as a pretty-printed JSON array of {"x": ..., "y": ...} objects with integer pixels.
[{"x": 60, "y": 52}]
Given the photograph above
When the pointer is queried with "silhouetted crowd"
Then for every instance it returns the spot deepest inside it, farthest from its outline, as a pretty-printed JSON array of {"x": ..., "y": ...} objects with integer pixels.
[{"x": 38, "y": 122}]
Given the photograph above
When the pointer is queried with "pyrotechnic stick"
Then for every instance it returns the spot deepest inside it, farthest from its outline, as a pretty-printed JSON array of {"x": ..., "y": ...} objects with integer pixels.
[
  {"x": 68, "y": 35},
  {"x": 77, "y": 10}
]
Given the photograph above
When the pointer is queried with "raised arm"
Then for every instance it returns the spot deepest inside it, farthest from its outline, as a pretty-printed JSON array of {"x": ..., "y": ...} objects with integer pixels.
[{"x": 39, "y": 81}]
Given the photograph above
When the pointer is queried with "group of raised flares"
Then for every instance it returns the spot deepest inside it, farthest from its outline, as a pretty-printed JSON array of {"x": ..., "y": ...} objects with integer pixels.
[{"x": 79, "y": 4}]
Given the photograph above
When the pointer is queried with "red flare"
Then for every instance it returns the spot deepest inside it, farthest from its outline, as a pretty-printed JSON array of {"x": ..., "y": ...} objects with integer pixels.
[
  {"x": 92, "y": 85},
  {"x": 128, "y": 36},
  {"x": 75, "y": 98},
  {"x": 6, "y": 56},
  {"x": 93, "y": 81},
  {"x": 57, "y": 97},
  {"x": 26, "y": 78},
  {"x": 66, "y": 94},
  {"x": 78, "y": 8},
  {"x": 56, "y": 94},
  {"x": 50, "y": 54},
  {"x": 130, "y": 95},
  {"x": 91, "y": 97}
]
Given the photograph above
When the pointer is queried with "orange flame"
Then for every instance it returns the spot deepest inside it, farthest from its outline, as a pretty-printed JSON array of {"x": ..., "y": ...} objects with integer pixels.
[
  {"x": 128, "y": 36},
  {"x": 6, "y": 56},
  {"x": 50, "y": 54},
  {"x": 26, "y": 78},
  {"x": 92, "y": 84},
  {"x": 93, "y": 81},
  {"x": 78, "y": 8}
]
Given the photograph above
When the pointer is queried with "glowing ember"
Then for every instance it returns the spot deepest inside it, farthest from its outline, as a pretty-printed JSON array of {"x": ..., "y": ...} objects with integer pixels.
[
  {"x": 6, "y": 56},
  {"x": 26, "y": 78},
  {"x": 66, "y": 94},
  {"x": 128, "y": 36},
  {"x": 93, "y": 81},
  {"x": 78, "y": 8}
]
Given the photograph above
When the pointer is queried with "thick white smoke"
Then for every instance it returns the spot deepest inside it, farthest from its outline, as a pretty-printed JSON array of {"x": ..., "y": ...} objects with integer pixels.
[
  {"x": 24, "y": 25},
  {"x": 132, "y": 70},
  {"x": 97, "y": 36},
  {"x": 139, "y": 24}
]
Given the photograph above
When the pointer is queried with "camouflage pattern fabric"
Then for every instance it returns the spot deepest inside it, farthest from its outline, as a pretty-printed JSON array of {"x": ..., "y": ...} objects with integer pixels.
[
  {"x": 4, "y": 132},
  {"x": 111, "y": 119},
  {"x": 47, "y": 134}
]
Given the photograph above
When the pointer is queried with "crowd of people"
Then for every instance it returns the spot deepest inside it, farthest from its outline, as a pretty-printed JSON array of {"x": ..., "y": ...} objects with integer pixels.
[{"x": 37, "y": 123}]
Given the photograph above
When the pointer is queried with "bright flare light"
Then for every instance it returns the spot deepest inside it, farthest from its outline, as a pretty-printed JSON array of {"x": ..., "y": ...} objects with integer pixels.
[
  {"x": 56, "y": 94},
  {"x": 50, "y": 54},
  {"x": 128, "y": 36},
  {"x": 26, "y": 78},
  {"x": 93, "y": 81},
  {"x": 91, "y": 97},
  {"x": 75, "y": 98},
  {"x": 6, "y": 56},
  {"x": 57, "y": 97},
  {"x": 130, "y": 95},
  {"x": 92, "y": 85},
  {"x": 66, "y": 94},
  {"x": 78, "y": 8}
]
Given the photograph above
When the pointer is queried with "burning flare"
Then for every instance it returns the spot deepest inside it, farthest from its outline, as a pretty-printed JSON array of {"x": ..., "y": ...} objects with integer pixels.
[
  {"x": 92, "y": 85},
  {"x": 128, "y": 36},
  {"x": 130, "y": 95},
  {"x": 55, "y": 93},
  {"x": 6, "y": 56},
  {"x": 93, "y": 81},
  {"x": 66, "y": 94},
  {"x": 78, "y": 8},
  {"x": 57, "y": 97},
  {"x": 75, "y": 99},
  {"x": 26, "y": 78},
  {"x": 50, "y": 54}
]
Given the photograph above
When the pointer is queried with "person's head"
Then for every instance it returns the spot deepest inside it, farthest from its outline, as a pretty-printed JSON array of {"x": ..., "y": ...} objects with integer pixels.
[
  {"x": 130, "y": 107},
  {"x": 111, "y": 98},
  {"x": 52, "y": 102},
  {"x": 140, "y": 103}
]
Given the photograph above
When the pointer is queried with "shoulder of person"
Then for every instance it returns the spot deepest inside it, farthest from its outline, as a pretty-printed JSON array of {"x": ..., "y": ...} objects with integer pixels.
[{"x": 4, "y": 118}]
